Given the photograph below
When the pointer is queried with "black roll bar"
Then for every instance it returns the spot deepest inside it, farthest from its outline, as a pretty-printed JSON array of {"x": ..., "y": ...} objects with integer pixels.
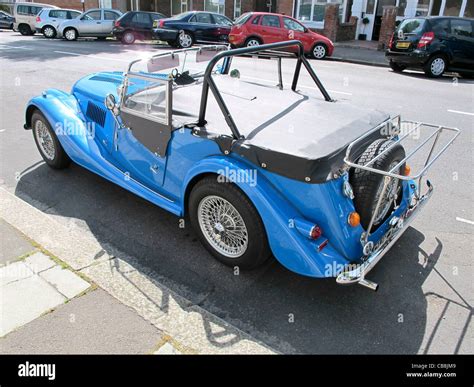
[{"x": 208, "y": 82}]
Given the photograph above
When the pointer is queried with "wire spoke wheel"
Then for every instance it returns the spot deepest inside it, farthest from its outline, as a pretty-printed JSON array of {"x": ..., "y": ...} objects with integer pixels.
[
  {"x": 389, "y": 197},
  {"x": 44, "y": 140},
  {"x": 222, "y": 226}
]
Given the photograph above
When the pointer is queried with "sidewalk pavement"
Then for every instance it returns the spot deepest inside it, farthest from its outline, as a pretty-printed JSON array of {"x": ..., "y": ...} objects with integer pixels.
[
  {"x": 61, "y": 292},
  {"x": 359, "y": 52}
]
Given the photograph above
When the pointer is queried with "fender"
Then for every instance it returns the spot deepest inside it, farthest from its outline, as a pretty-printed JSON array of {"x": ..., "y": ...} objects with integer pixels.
[
  {"x": 78, "y": 140},
  {"x": 291, "y": 248}
]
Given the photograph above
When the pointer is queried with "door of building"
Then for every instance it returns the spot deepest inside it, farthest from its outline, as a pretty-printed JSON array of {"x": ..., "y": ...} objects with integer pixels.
[{"x": 378, "y": 17}]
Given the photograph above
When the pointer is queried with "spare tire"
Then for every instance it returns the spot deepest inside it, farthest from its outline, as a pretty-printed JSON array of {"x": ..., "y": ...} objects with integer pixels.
[{"x": 367, "y": 186}]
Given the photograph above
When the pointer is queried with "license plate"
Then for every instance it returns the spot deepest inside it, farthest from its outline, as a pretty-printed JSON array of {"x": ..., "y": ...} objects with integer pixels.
[
  {"x": 403, "y": 44},
  {"x": 155, "y": 23}
]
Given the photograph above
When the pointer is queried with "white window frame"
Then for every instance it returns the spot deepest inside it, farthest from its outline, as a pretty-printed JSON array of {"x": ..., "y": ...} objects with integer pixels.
[
  {"x": 240, "y": 8},
  {"x": 319, "y": 24},
  {"x": 218, "y": 8}
]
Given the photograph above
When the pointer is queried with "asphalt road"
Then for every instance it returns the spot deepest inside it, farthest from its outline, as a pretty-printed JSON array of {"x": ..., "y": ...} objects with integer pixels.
[{"x": 425, "y": 296}]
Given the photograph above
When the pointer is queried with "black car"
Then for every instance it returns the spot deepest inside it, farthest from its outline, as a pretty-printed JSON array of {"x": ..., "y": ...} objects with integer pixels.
[
  {"x": 135, "y": 25},
  {"x": 189, "y": 27},
  {"x": 435, "y": 44},
  {"x": 6, "y": 20}
]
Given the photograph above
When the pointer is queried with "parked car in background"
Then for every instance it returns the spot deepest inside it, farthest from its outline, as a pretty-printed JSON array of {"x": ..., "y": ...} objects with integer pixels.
[
  {"x": 97, "y": 22},
  {"x": 25, "y": 16},
  {"x": 434, "y": 44},
  {"x": 187, "y": 28},
  {"x": 6, "y": 20},
  {"x": 255, "y": 28},
  {"x": 49, "y": 19},
  {"x": 135, "y": 25}
]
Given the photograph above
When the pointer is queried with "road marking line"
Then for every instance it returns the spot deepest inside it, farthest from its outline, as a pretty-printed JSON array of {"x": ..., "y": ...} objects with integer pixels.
[
  {"x": 460, "y": 112},
  {"x": 68, "y": 53},
  {"x": 464, "y": 220}
]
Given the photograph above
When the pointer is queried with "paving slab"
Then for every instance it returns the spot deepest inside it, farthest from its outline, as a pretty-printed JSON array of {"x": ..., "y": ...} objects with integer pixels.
[
  {"x": 15, "y": 271},
  {"x": 25, "y": 300},
  {"x": 13, "y": 244},
  {"x": 65, "y": 281},
  {"x": 94, "y": 323},
  {"x": 39, "y": 262}
]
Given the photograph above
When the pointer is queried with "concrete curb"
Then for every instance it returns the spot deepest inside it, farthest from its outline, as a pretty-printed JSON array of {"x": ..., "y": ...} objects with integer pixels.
[
  {"x": 191, "y": 327},
  {"x": 360, "y": 62}
]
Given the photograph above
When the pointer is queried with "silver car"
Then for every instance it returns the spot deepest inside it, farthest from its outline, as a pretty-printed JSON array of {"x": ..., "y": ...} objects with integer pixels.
[
  {"x": 97, "y": 22},
  {"x": 49, "y": 19}
]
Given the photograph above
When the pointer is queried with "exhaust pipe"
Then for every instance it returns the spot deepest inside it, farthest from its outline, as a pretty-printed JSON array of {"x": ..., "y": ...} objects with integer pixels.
[{"x": 369, "y": 284}]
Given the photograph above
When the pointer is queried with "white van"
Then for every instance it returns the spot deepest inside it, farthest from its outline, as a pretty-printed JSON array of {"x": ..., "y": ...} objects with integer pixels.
[{"x": 25, "y": 16}]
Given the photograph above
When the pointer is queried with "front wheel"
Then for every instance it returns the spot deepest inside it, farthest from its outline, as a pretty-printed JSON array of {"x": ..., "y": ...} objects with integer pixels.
[
  {"x": 228, "y": 224},
  {"x": 320, "y": 51},
  {"x": 25, "y": 29},
  {"x": 47, "y": 142},
  {"x": 252, "y": 42},
  {"x": 436, "y": 66},
  {"x": 397, "y": 67}
]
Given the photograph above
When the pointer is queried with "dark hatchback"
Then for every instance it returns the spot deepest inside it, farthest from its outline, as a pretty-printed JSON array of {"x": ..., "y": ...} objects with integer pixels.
[
  {"x": 434, "y": 44},
  {"x": 135, "y": 25},
  {"x": 187, "y": 28}
]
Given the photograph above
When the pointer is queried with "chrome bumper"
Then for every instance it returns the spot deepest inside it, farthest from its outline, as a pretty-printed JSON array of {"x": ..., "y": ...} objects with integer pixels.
[{"x": 357, "y": 273}]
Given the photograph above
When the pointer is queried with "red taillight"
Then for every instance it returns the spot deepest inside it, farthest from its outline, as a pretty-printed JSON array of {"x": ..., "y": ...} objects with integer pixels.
[
  {"x": 161, "y": 23},
  {"x": 38, "y": 19},
  {"x": 390, "y": 44},
  {"x": 426, "y": 39},
  {"x": 315, "y": 232},
  {"x": 117, "y": 23}
]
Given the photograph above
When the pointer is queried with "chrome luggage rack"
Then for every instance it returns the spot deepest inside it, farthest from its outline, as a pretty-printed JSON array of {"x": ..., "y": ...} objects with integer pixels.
[{"x": 397, "y": 130}]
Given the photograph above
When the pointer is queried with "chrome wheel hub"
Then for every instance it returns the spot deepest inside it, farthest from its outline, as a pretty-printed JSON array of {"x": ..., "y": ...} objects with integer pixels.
[
  {"x": 129, "y": 37},
  {"x": 222, "y": 226},
  {"x": 44, "y": 140},
  {"x": 438, "y": 66},
  {"x": 185, "y": 40},
  {"x": 70, "y": 35},
  {"x": 319, "y": 52},
  {"x": 48, "y": 31},
  {"x": 252, "y": 43}
]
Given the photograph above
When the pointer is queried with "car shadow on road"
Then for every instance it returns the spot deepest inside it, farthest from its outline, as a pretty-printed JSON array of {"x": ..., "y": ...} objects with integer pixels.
[
  {"x": 446, "y": 78},
  {"x": 288, "y": 312}
]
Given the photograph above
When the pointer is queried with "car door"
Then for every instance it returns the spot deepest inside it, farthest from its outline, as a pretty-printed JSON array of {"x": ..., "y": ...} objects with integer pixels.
[
  {"x": 141, "y": 146},
  {"x": 461, "y": 43},
  {"x": 223, "y": 26},
  {"x": 271, "y": 29},
  {"x": 203, "y": 26},
  {"x": 90, "y": 23},
  {"x": 108, "y": 20},
  {"x": 142, "y": 23}
]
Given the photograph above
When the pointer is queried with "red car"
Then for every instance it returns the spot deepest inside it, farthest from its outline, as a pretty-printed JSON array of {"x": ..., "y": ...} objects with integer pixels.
[{"x": 254, "y": 28}]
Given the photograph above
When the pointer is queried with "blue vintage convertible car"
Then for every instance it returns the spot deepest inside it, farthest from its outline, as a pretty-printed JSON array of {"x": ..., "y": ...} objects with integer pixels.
[{"x": 259, "y": 169}]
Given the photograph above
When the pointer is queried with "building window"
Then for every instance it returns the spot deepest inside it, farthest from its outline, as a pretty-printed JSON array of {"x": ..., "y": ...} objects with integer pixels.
[
  {"x": 313, "y": 11},
  {"x": 422, "y": 8},
  {"x": 402, "y": 4},
  {"x": 435, "y": 8},
  {"x": 452, "y": 7},
  {"x": 237, "y": 8},
  {"x": 217, "y": 6},
  {"x": 178, "y": 6},
  {"x": 469, "y": 11},
  {"x": 370, "y": 7}
]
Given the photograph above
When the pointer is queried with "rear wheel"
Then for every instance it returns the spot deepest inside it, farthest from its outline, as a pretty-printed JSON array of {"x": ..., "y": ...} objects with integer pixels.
[
  {"x": 25, "y": 29},
  {"x": 436, "y": 66},
  {"x": 228, "y": 224},
  {"x": 70, "y": 34},
  {"x": 368, "y": 186},
  {"x": 128, "y": 37},
  {"x": 47, "y": 142},
  {"x": 397, "y": 67},
  {"x": 49, "y": 32},
  {"x": 185, "y": 39}
]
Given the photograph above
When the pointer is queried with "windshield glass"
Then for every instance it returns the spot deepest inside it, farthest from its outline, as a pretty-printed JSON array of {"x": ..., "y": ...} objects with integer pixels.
[
  {"x": 242, "y": 19},
  {"x": 181, "y": 16}
]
